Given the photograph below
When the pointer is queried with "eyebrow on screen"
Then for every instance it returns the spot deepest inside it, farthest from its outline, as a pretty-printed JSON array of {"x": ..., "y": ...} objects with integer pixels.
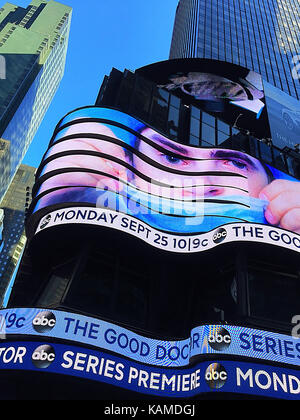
[
  {"x": 232, "y": 154},
  {"x": 171, "y": 145}
]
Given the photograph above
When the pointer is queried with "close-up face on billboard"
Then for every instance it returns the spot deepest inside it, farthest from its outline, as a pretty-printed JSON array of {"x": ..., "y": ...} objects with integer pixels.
[{"x": 105, "y": 159}]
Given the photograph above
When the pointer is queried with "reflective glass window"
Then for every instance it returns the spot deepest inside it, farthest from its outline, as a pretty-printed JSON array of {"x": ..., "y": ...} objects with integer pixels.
[
  {"x": 280, "y": 305},
  {"x": 208, "y": 119},
  {"x": 173, "y": 121},
  {"x": 195, "y": 127},
  {"x": 208, "y": 134}
]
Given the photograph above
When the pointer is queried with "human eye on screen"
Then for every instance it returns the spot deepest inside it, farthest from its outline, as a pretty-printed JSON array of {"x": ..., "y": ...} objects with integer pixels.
[
  {"x": 169, "y": 159},
  {"x": 236, "y": 164}
]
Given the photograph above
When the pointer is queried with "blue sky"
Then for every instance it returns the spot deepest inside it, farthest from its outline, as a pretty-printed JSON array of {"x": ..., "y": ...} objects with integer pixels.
[{"x": 104, "y": 34}]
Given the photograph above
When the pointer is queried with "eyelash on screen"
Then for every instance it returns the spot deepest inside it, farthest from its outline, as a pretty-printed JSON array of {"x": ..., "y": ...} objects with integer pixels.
[
  {"x": 182, "y": 161},
  {"x": 246, "y": 165},
  {"x": 175, "y": 157}
]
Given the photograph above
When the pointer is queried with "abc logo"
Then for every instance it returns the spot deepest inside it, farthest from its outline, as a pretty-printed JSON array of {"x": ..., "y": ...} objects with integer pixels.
[
  {"x": 43, "y": 356},
  {"x": 219, "y": 339},
  {"x": 215, "y": 376},
  {"x": 219, "y": 235},
  {"x": 44, "y": 322},
  {"x": 45, "y": 221}
]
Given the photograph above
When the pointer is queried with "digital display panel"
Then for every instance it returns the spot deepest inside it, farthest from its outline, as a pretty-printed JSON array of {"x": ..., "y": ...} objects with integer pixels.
[
  {"x": 230, "y": 92},
  {"x": 235, "y": 94},
  {"x": 204, "y": 340},
  {"x": 172, "y": 194},
  {"x": 203, "y": 377},
  {"x": 284, "y": 117}
]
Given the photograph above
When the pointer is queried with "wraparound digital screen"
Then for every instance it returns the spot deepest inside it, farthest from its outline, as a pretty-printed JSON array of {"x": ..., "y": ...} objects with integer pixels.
[
  {"x": 176, "y": 197},
  {"x": 232, "y": 93},
  {"x": 204, "y": 377},
  {"x": 204, "y": 340}
]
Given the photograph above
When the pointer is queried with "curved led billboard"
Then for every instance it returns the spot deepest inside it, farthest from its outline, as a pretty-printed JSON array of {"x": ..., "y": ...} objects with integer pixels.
[
  {"x": 206, "y": 376},
  {"x": 215, "y": 358},
  {"x": 203, "y": 340},
  {"x": 232, "y": 93},
  {"x": 106, "y": 168},
  {"x": 235, "y": 94}
]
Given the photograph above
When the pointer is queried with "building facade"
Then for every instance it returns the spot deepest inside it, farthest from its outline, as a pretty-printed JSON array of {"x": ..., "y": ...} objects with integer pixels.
[
  {"x": 151, "y": 266},
  {"x": 162, "y": 259},
  {"x": 33, "y": 47},
  {"x": 13, "y": 205},
  {"x": 261, "y": 35}
]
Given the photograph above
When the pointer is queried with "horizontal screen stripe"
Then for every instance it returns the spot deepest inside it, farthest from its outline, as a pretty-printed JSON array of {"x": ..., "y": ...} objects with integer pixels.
[
  {"x": 149, "y": 142},
  {"x": 143, "y": 206},
  {"x": 130, "y": 167},
  {"x": 141, "y": 156},
  {"x": 127, "y": 146},
  {"x": 42, "y": 178},
  {"x": 122, "y": 142},
  {"x": 126, "y": 184}
]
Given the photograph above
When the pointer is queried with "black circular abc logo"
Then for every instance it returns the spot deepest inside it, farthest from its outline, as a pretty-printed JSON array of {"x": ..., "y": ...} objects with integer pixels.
[
  {"x": 219, "y": 235},
  {"x": 215, "y": 376},
  {"x": 43, "y": 356},
  {"x": 218, "y": 338},
  {"x": 44, "y": 322},
  {"x": 46, "y": 220}
]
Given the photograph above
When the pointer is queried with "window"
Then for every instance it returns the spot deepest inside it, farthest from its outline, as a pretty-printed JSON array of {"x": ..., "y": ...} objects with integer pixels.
[
  {"x": 159, "y": 109},
  {"x": 56, "y": 286},
  {"x": 278, "y": 160},
  {"x": 125, "y": 91},
  {"x": 110, "y": 287},
  {"x": 208, "y": 134},
  {"x": 141, "y": 98},
  {"x": 265, "y": 152},
  {"x": 225, "y": 128},
  {"x": 174, "y": 101},
  {"x": 173, "y": 122},
  {"x": 273, "y": 294},
  {"x": 195, "y": 127},
  {"x": 208, "y": 119},
  {"x": 194, "y": 141},
  {"x": 293, "y": 166},
  {"x": 131, "y": 300},
  {"x": 195, "y": 112},
  {"x": 222, "y": 138},
  {"x": 218, "y": 301},
  {"x": 92, "y": 290}
]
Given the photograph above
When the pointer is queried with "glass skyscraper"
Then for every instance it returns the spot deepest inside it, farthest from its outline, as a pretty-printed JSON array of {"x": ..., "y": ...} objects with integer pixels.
[
  {"x": 33, "y": 47},
  {"x": 262, "y": 35},
  {"x": 13, "y": 235}
]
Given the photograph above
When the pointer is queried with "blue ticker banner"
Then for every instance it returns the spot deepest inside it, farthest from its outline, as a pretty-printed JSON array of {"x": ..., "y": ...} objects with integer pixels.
[
  {"x": 202, "y": 378},
  {"x": 203, "y": 340}
]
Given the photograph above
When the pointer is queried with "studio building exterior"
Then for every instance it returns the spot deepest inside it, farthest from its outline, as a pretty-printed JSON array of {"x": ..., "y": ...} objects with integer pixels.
[{"x": 153, "y": 268}]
